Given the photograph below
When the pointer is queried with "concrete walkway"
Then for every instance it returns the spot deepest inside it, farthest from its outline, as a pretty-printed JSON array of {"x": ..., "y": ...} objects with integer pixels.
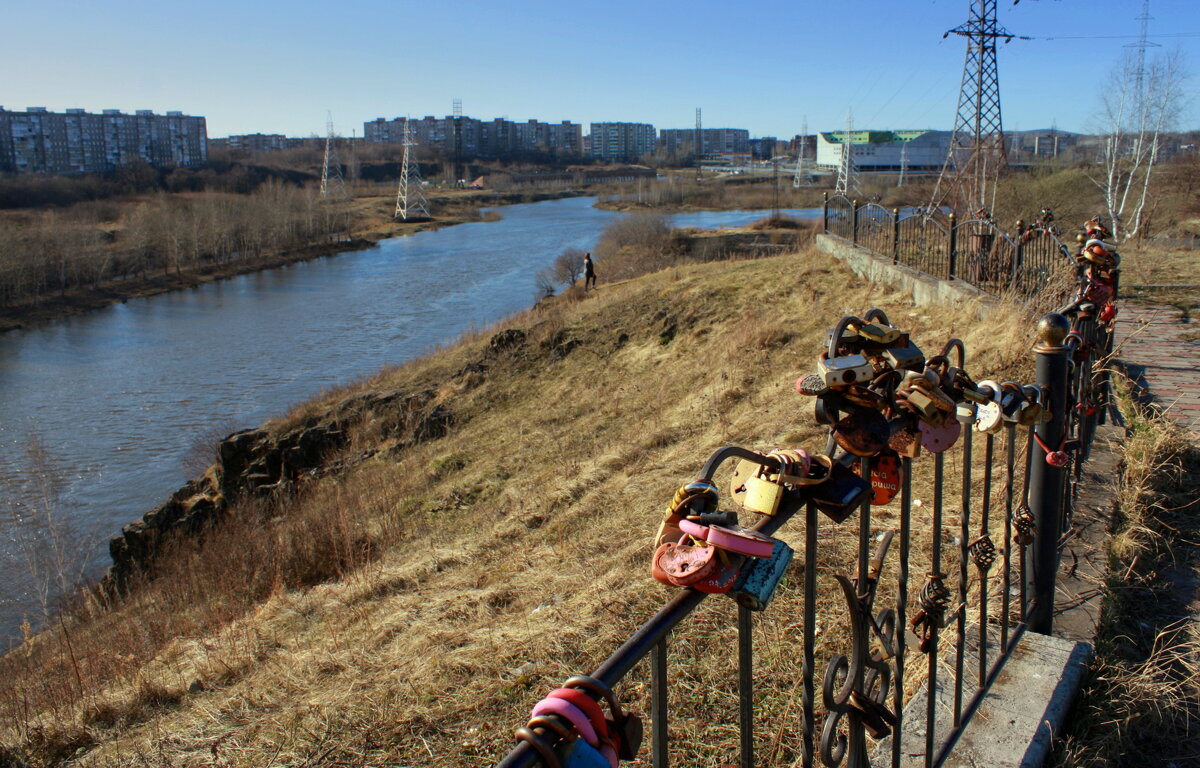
[{"x": 1161, "y": 360}]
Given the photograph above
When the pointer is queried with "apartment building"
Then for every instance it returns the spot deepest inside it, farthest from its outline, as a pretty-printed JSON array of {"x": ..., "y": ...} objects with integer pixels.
[
  {"x": 75, "y": 141},
  {"x": 714, "y": 141},
  {"x": 479, "y": 138},
  {"x": 885, "y": 150},
  {"x": 257, "y": 142},
  {"x": 622, "y": 142}
]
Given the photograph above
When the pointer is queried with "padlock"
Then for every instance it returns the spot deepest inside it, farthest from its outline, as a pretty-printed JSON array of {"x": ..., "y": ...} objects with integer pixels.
[
  {"x": 1012, "y": 400},
  {"x": 760, "y": 576},
  {"x": 909, "y": 358},
  {"x": 862, "y": 432},
  {"x": 878, "y": 334},
  {"x": 722, "y": 578},
  {"x": 549, "y": 758},
  {"x": 938, "y": 439},
  {"x": 923, "y": 404},
  {"x": 812, "y": 385},
  {"x": 904, "y": 437},
  {"x": 845, "y": 370},
  {"x": 682, "y": 564},
  {"x": 988, "y": 415},
  {"x": 625, "y": 726},
  {"x": 964, "y": 412},
  {"x": 580, "y": 754},
  {"x": 886, "y": 478},
  {"x": 841, "y": 494},
  {"x": 848, "y": 339},
  {"x": 731, "y": 538},
  {"x": 1031, "y": 412},
  {"x": 876, "y": 718},
  {"x": 762, "y": 495},
  {"x": 580, "y": 722}
]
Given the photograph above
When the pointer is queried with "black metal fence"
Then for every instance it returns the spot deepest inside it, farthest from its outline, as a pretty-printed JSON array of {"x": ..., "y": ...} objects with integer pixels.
[
  {"x": 1027, "y": 262},
  {"x": 976, "y": 528}
]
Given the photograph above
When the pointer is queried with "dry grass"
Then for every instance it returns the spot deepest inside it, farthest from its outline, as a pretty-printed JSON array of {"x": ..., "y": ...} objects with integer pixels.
[
  {"x": 1142, "y": 704},
  {"x": 410, "y": 610}
]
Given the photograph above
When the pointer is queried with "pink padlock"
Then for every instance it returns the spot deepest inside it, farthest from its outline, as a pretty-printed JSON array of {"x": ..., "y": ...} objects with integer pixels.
[
  {"x": 940, "y": 439},
  {"x": 731, "y": 538},
  {"x": 552, "y": 706},
  {"x": 1058, "y": 459}
]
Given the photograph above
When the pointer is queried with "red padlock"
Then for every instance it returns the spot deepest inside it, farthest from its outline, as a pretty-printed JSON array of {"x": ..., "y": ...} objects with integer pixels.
[
  {"x": 1058, "y": 459},
  {"x": 1108, "y": 313},
  {"x": 886, "y": 477}
]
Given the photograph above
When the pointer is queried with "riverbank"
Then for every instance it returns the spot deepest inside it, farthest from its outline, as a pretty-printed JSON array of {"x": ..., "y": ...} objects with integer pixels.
[{"x": 372, "y": 221}]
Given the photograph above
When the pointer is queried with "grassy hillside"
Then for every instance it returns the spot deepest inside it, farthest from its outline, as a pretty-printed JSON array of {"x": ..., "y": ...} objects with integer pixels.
[{"x": 409, "y": 606}]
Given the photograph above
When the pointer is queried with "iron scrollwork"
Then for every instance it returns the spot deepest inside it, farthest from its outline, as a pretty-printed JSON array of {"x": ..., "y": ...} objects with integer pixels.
[{"x": 858, "y": 687}]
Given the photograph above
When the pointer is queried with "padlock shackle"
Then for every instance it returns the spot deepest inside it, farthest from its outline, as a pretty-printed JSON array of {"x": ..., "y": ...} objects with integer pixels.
[
  {"x": 721, "y": 455},
  {"x": 956, "y": 344},
  {"x": 875, "y": 313},
  {"x": 599, "y": 690},
  {"x": 836, "y": 337}
]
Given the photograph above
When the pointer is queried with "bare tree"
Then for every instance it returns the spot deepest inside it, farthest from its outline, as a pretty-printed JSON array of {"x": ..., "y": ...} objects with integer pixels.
[
  {"x": 545, "y": 281},
  {"x": 568, "y": 267},
  {"x": 1144, "y": 101}
]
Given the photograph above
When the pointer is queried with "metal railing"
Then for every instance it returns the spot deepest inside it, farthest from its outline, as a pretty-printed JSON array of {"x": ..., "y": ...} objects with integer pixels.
[
  {"x": 975, "y": 251},
  {"x": 975, "y": 567}
]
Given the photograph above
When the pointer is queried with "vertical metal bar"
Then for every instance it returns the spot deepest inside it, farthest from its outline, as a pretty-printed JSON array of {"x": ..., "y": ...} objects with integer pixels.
[
  {"x": 825, "y": 212},
  {"x": 854, "y": 221},
  {"x": 1029, "y": 453},
  {"x": 857, "y": 735},
  {"x": 895, "y": 235},
  {"x": 658, "y": 703},
  {"x": 1046, "y": 482},
  {"x": 953, "y": 268},
  {"x": 936, "y": 557},
  {"x": 810, "y": 633},
  {"x": 1011, "y": 464},
  {"x": 902, "y": 608},
  {"x": 985, "y": 510},
  {"x": 746, "y": 684},
  {"x": 964, "y": 536}
]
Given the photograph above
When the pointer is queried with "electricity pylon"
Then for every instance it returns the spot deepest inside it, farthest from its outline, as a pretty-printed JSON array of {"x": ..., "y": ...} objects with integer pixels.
[
  {"x": 977, "y": 151},
  {"x": 332, "y": 183},
  {"x": 846, "y": 183},
  {"x": 410, "y": 200},
  {"x": 801, "y": 174}
]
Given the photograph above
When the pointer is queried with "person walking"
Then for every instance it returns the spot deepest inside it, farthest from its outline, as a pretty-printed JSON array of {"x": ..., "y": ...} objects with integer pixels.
[{"x": 589, "y": 272}]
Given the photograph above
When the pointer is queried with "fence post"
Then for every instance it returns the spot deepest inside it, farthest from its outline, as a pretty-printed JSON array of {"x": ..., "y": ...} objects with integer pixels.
[
  {"x": 895, "y": 235},
  {"x": 1046, "y": 481},
  {"x": 953, "y": 269},
  {"x": 854, "y": 221},
  {"x": 658, "y": 704},
  {"x": 825, "y": 212},
  {"x": 1019, "y": 257}
]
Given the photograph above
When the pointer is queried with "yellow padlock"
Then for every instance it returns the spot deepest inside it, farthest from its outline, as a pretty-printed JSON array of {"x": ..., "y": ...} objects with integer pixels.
[{"x": 762, "y": 495}]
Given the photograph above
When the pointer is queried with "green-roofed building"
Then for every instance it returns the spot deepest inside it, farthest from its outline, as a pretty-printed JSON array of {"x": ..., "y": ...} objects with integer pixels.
[{"x": 916, "y": 150}]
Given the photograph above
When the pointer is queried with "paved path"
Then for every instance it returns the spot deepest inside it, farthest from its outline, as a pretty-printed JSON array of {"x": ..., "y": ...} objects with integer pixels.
[{"x": 1166, "y": 364}]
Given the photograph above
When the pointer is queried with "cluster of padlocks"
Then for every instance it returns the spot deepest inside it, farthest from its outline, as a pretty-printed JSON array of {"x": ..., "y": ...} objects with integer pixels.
[
  {"x": 1098, "y": 261},
  {"x": 587, "y": 739}
]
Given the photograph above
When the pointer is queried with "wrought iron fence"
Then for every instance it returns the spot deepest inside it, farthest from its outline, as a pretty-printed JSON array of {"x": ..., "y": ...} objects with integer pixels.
[
  {"x": 1030, "y": 263},
  {"x": 977, "y": 530}
]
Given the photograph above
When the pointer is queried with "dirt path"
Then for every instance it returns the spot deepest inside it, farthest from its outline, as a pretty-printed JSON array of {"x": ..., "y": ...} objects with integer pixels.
[{"x": 1160, "y": 347}]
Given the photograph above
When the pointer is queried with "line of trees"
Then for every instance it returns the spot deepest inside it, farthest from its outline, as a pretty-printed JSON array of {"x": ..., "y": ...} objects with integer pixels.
[{"x": 48, "y": 253}]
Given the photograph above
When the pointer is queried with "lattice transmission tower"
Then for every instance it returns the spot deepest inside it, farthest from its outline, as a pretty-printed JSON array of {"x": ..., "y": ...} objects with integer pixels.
[
  {"x": 846, "y": 183},
  {"x": 333, "y": 186},
  {"x": 977, "y": 152},
  {"x": 699, "y": 144},
  {"x": 411, "y": 204},
  {"x": 800, "y": 178}
]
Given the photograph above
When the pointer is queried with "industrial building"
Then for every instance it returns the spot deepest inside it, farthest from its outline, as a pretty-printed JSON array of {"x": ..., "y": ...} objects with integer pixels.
[
  {"x": 885, "y": 150},
  {"x": 39, "y": 141}
]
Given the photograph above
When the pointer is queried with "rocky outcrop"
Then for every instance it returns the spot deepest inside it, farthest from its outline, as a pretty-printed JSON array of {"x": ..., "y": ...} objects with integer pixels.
[{"x": 261, "y": 463}]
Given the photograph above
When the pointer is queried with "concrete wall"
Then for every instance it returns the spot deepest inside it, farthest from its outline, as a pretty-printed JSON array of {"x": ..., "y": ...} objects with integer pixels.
[{"x": 925, "y": 289}]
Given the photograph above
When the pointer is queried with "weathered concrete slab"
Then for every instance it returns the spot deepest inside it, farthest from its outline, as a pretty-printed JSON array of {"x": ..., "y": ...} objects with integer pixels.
[
  {"x": 926, "y": 289},
  {"x": 1014, "y": 724}
]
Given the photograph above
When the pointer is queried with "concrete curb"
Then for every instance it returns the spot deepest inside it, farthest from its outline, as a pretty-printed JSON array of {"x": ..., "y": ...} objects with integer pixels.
[{"x": 925, "y": 289}]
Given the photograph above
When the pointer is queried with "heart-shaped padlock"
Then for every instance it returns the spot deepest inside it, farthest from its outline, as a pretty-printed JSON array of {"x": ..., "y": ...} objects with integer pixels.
[
  {"x": 941, "y": 438},
  {"x": 862, "y": 432},
  {"x": 886, "y": 477},
  {"x": 989, "y": 417},
  {"x": 1058, "y": 459}
]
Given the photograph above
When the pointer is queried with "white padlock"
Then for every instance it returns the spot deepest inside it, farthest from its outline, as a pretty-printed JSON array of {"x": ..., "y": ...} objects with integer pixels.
[{"x": 989, "y": 417}]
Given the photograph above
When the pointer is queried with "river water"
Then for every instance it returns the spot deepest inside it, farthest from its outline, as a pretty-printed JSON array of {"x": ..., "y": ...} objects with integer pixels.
[{"x": 99, "y": 413}]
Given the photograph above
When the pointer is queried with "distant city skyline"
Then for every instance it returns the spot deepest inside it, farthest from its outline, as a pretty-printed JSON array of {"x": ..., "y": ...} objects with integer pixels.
[{"x": 270, "y": 67}]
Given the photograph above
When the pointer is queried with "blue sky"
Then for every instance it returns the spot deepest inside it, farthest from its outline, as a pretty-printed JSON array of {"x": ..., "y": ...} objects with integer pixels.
[{"x": 276, "y": 67}]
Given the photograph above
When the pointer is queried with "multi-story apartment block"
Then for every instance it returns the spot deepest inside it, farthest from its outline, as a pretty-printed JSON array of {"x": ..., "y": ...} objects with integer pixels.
[
  {"x": 496, "y": 137},
  {"x": 885, "y": 150},
  {"x": 714, "y": 141},
  {"x": 257, "y": 142},
  {"x": 622, "y": 142},
  {"x": 75, "y": 141}
]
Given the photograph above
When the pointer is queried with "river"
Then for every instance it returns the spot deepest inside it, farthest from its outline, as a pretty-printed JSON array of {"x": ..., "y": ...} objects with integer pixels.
[{"x": 102, "y": 415}]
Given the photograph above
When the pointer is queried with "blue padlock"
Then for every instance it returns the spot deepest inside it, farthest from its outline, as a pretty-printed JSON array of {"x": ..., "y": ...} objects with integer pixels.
[
  {"x": 580, "y": 754},
  {"x": 760, "y": 576}
]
